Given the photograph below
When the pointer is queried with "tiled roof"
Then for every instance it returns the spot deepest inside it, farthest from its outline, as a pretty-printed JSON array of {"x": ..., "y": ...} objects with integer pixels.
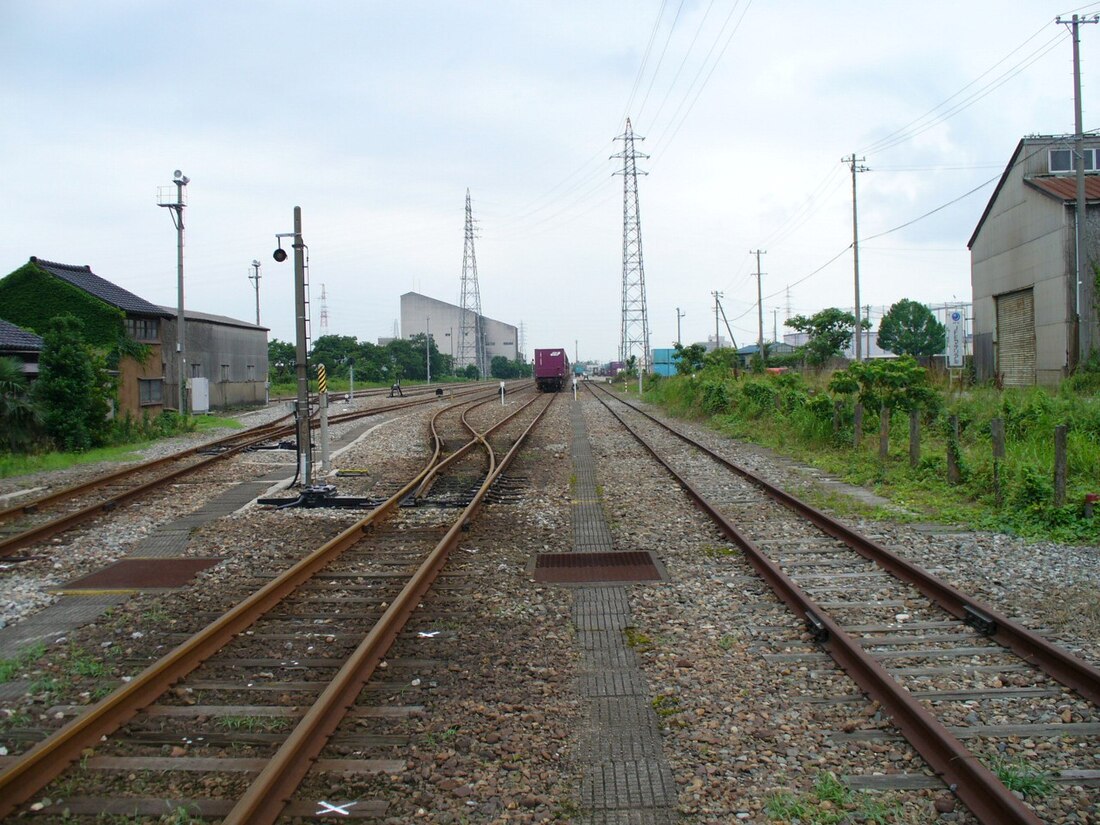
[
  {"x": 14, "y": 338},
  {"x": 83, "y": 278},
  {"x": 1065, "y": 186},
  {"x": 190, "y": 314}
]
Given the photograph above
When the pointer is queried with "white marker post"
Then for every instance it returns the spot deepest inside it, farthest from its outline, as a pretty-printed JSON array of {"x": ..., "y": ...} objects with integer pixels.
[
  {"x": 502, "y": 393},
  {"x": 574, "y": 388}
]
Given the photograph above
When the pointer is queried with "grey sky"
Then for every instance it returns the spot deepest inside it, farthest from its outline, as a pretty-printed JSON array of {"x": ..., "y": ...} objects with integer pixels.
[{"x": 376, "y": 117}]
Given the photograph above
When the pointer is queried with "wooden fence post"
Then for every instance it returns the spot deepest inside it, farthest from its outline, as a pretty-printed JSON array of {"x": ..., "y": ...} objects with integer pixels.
[
  {"x": 1060, "y": 465},
  {"x": 997, "y": 434},
  {"x": 858, "y": 437},
  {"x": 954, "y": 474},
  {"x": 914, "y": 438},
  {"x": 884, "y": 433}
]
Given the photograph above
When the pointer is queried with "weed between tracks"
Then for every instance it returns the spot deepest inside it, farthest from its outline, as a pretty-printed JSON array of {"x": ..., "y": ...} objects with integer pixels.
[{"x": 830, "y": 802}]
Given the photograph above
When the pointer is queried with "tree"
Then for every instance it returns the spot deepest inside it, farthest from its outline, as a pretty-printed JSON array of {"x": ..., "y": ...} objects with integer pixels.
[
  {"x": 910, "y": 328},
  {"x": 73, "y": 388},
  {"x": 282, "y": 358},
  {"x": 689, "y": 359},
  {"x": 333, "y": 351},
  {"x": 830, "y": 332},
  {"x": 502, "y": 367},
  {"x": 20, "y": 420}
]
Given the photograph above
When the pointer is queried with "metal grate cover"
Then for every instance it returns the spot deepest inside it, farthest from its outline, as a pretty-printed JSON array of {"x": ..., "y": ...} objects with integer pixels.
[
  {"x": 591, "y": 568},
  {"x": 140, "y": 574}
]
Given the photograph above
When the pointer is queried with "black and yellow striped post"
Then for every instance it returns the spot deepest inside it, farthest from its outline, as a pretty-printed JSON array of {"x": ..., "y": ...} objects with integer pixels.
[{"x": 322, "y": 393}]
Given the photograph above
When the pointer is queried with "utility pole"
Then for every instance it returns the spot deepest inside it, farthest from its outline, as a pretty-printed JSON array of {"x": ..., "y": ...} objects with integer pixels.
[
  {"x": 255, "y": 278},
  {"x": 775, "y": 325},
  {"x": 857, "y": 166},
  {"x": 716, "y": 295},
  {"x": 679, "y": 315},
  {"x": 759, "y": 306},
  {"x": 427, "y": 348},
  {"x": 176, "y": 209},
  {"x": 1085, "y": 296}
]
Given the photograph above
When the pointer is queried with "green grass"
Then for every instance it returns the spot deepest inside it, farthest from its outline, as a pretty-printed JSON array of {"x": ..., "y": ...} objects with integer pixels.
[
  {"x": 253, "y": 724},
  {"x": 801, "y": 427},
  {"x": 9, "y": 668},
  {"x": 830, "y": 802},
  {"x": 637, "y": 640},
  {"x": 1017, "y": 775},
  {"x": 666, "y": 706}
]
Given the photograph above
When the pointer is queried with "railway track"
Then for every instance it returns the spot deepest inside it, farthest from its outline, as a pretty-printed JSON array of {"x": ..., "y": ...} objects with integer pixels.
[
  {"x": 30, "y": 522},
  {"x": 963, "y": 683},
  {"x": 296, "y": 657}
]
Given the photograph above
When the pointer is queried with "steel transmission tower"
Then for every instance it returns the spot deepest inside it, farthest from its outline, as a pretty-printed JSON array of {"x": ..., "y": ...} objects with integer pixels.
[
  {"x": 635, "y": 320},
  {"x": 324, "y": 311},
  {"x": 471, "y": 341}
]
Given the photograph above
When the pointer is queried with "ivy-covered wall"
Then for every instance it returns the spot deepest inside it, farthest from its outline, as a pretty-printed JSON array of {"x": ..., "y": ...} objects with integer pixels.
[{"x": 31, "y": 297}]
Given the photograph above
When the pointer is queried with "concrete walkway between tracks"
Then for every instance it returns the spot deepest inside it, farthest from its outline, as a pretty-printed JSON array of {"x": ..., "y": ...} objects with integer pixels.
[{"x": 627, "y": 780}]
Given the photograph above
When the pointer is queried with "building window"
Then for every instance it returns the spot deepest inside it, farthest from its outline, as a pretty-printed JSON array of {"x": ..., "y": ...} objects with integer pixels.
[
  {"x": 196, "y": 370},
  {"x": 225, "y": 372},
  {"x": 1061, "y": 161},
  {"x": 506, "y": 344},
  {"x": 143, "y": 329},
  {"x": 250, "y": 371},
  {"x": 150, "y": 391}
]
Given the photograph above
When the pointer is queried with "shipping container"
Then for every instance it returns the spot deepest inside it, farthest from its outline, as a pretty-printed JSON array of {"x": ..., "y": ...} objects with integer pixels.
[{"x": 551, "y": 369}]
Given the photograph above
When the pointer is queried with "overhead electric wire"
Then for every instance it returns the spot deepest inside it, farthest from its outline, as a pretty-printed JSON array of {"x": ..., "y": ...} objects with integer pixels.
[
  {"x": 645, "y": 60},
  {"x": 680, "y": 68},
  {"x": 660, "y": 60},
  {"x": 702, "y": 66},
  {"x": 907, "y": 133}
]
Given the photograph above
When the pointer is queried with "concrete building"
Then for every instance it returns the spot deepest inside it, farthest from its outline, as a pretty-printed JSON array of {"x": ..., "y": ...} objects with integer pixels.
[
  {"x": 1023, "y": 264},
  {"x": 230, "y": 354},
  {"x": 443, "y": 321}
]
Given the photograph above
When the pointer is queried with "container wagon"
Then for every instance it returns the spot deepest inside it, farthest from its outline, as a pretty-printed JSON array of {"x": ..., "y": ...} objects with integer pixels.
[{"x": 551, "y": 369}]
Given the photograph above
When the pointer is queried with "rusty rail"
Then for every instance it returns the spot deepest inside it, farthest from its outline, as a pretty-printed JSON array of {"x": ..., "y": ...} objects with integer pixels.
[{"x": 978, "y": 787}]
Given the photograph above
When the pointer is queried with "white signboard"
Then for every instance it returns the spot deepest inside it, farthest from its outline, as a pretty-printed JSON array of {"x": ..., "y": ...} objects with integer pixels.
[{"x": 956, "y": 338}]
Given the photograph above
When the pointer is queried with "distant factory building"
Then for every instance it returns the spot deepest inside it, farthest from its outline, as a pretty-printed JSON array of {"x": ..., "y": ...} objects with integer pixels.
[
  {"x": 444, "y": 322},
  {"x": 1023, "y": 264}
]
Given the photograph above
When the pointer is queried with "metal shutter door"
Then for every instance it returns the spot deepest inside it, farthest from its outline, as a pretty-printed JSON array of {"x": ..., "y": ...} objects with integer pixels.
[{"x": 1016, "y": 338}]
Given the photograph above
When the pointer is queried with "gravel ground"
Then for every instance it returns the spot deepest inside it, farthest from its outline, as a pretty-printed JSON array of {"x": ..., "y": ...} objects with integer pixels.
[{"x": 499, "y": 740}]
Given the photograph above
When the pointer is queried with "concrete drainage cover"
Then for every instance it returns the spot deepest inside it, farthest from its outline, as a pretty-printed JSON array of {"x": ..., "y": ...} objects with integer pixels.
[
  {"x": 597, "y": 568},
  {"x": 140, "y": 574}
]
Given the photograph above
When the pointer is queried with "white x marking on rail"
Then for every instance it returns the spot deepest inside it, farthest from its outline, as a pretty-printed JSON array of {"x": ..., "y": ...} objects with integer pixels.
[{"x": 326, "y": 808}]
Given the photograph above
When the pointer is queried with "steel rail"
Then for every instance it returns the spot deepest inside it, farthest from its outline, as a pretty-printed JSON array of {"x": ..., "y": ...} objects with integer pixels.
[
  {"x": 34, "y": 769},
  {"x": 1060, "y": 664},
  {"x": 68, "y": 492},
  {"x": 979, "y": 788},
  {"x": 465, "y": 448},
  {"x": 62, "y": 523},
  {"x": 270, "y": 792},
  {"x": 47, "y": 759}
]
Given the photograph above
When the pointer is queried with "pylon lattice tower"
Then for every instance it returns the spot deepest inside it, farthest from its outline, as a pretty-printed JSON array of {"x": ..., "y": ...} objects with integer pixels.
[
  {"x": 471, "y": 340},
  {"x": 635, "y": 320},
  {"x": 324, "y": 311}
]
